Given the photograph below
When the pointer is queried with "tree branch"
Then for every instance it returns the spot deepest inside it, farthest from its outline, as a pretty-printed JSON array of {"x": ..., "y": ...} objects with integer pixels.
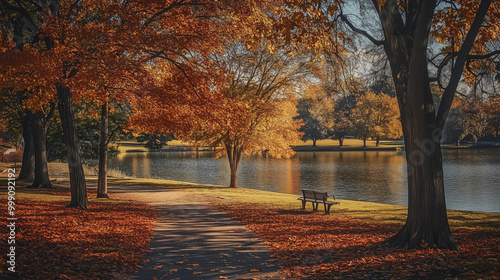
[
  {"x": 456, "y": 74},
  {"x": 360, "y": 31}
]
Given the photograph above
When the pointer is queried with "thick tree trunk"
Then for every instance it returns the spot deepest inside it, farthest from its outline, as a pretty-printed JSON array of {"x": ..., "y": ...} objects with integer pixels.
[
  {"x": 341, "y": 141},
  {"x": 27, "y": 172},
  {"x": 102, "y": 182},
  {"x": 234, "y": 153},
  {"x": 427, "y": 221},
  {"x": 78, "y": 186},
  {"x": 39, "y": 129}
]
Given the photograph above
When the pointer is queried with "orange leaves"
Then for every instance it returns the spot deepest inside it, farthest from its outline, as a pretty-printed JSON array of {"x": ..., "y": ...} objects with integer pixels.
[
  {"x": 316, "y": 246},
  {"x": 103, "y": 242},
  {"x": 452, "y": 23}
]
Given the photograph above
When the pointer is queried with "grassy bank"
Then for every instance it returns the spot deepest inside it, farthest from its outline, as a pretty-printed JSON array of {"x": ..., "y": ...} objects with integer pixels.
[{"x": 360, "y": 210}]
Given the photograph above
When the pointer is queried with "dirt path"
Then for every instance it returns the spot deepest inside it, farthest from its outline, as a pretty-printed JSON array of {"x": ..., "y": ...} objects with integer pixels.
[{"x": 192, "y": 241}]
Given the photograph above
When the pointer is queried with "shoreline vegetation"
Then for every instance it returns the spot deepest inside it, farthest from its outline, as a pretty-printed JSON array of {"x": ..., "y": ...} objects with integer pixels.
[{"x": 325, "y": 145}]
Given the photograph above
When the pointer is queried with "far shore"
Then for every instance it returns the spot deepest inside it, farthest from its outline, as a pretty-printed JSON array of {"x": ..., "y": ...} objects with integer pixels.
[{"x": 326, "y": 145}]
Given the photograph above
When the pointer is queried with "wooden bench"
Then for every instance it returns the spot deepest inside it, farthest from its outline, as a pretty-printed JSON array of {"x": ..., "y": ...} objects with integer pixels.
[{"x": 315, "y": 198}]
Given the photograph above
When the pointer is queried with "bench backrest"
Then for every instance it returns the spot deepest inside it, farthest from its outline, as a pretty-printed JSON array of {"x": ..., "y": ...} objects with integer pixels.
[
  {"x": 308, "y": 194},
  {"x": 319, "y": 196},
  {"x": 322, "y": 196}
]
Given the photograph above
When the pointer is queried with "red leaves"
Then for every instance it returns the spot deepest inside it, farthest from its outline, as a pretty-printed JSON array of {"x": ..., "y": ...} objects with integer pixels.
[
  {"x": 103, "y": 242},
  {"x": 315, "y": 246}
]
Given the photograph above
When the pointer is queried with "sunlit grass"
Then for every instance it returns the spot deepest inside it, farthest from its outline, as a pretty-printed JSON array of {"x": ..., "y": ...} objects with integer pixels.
[{"x": 360, "y": 210}]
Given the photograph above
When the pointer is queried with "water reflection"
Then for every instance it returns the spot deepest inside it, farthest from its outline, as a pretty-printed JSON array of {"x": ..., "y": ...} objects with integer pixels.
[{"x": 471, "y": 177}]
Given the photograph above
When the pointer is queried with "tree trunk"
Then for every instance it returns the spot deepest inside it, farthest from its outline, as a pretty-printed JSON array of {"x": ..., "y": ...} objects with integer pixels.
[
  {"x": 364, "y": 141},
  {"x": 234, "y": 153},
  {"x": 314, "y": 142},
  {"x": 39, "y": 129},
  {"x": 378, "y": 141},
  {"x": 102, "y": 182},
  {"x": 341, "y": 141},
  {"x": 27, "y": 172},
  {"x": 76, "y": 176},
  {"x": 427, "y": 221}
]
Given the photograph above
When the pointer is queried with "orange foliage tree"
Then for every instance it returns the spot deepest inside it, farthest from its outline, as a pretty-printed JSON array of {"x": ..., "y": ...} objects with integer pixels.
[
  {"x": 249, "y": 109},
  {"x": 376, "y": 116},
  {"x": 64, "y": 51}
]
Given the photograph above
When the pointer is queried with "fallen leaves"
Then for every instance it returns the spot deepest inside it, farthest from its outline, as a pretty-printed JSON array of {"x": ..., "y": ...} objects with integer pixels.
[
  {"x": 105, "y": 241},
  {"x": 315, "y": 246}
]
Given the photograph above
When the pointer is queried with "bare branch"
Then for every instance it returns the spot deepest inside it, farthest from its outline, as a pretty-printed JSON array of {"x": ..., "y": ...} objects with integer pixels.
[{"x": 360, "y": 31}]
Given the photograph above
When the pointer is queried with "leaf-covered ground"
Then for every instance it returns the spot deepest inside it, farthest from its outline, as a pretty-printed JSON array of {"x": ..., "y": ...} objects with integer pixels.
[
  {"x": 53, "y": 241},
  {"x": 317, "y": 246}
]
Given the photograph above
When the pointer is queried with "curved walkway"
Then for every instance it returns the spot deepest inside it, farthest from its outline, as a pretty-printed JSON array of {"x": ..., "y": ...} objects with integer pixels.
[{"x": 192, "y": 241}]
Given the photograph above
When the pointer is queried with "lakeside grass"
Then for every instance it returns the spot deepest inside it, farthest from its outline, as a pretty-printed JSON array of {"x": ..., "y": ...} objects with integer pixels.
[{"x": 360, "y": 210}]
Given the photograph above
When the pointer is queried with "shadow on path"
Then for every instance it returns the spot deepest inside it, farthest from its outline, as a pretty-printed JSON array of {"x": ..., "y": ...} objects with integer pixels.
[{"x": 192, "y": 241}]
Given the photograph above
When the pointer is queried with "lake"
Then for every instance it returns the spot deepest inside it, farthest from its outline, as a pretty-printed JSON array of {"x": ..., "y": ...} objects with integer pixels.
[{"x": 471, "y": 176}]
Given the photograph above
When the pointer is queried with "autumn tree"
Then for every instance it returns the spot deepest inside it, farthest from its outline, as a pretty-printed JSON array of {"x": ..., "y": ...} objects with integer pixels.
[
  {"x": 493, "y": 112},
  {"x": 90, "y": 48},
  {"x": 474, "y": 119},
  {"x": 376, "y": 116},
  {"x": 15, "y": 117},
  {"x": 404, "y": 30},
  {"x": 314, "y": 128},
  {"x": 263, "y": 85}
]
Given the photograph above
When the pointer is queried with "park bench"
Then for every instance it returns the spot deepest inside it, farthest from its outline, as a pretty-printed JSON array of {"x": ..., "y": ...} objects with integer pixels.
[{"x": 315, "y": 198}]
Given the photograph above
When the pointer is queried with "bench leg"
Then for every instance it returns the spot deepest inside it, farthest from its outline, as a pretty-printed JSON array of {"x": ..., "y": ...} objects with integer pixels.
[
  {"x": 315, "y": 207},
  {"x": 303, "y": 204},
  {"x": 327, "y": 209}
]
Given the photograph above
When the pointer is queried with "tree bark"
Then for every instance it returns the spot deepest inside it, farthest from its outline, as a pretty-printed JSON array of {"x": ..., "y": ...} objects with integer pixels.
[
  {"x": 427, "y": 221},
  {"x": 102, "y": 181},
  {"x": 234, "y": 153},
  {"x": 341, "y": 141},
  {"x": 377, "y": 142},
  {"x": 27, "y": 172},
  {"x": 78, "y": 186},
  {"x": 39, "y": 132}
]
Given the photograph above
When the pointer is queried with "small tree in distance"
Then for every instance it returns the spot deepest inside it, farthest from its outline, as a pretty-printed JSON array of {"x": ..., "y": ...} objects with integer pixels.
[{"x": 376, "y": 116}]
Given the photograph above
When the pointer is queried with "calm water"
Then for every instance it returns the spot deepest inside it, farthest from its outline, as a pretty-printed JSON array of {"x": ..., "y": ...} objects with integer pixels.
[{"x": 471, "y": 176}]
